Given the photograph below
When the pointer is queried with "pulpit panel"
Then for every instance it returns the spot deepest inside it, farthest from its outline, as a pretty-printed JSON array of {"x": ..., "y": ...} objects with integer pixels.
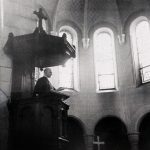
[{"x": 38, "y": 123}]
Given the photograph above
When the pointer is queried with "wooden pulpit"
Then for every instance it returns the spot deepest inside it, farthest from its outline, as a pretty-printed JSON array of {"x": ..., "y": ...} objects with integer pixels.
[{"x": 38, "y": 123}]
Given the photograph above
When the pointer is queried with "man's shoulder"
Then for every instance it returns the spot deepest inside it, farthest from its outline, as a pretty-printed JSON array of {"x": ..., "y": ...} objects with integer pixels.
[{"x": 42, "y": 79}]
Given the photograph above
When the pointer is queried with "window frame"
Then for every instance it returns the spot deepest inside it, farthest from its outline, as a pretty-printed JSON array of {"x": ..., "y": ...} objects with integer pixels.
[
  {"x": 135, "y": 58},
  {"x": 109, "y": 31},
  {"x": 74, "y": 35}
]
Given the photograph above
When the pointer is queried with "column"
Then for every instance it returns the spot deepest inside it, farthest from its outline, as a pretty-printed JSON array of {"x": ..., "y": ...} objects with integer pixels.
[
  {"x": 89, "y": 142},
  {"x": 134, "y": 139}
]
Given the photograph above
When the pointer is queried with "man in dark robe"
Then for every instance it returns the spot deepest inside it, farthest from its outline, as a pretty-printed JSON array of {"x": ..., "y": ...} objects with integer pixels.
[{"x": 43, "y": 85}]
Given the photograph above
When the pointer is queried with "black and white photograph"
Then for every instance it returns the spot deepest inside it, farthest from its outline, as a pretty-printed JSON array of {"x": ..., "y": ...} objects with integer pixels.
[{"x": 74, "y": 74}]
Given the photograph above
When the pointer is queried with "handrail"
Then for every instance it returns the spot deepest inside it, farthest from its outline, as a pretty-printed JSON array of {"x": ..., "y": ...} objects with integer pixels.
[{"x": 4, "y": 93}]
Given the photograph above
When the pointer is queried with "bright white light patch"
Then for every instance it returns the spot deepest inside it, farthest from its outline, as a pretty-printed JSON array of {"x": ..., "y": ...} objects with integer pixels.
[
  {"x": 2, "y": 14},
  {"x": 143, "y": 48},
  {"x": 104, "y": 61}
]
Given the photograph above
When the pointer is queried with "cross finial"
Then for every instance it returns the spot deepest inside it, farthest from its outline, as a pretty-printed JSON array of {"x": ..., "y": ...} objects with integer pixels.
[{"x": 40, "y": 16}]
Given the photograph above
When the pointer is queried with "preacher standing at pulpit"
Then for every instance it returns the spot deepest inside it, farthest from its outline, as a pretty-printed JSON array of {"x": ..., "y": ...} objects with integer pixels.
[{"x": 43, "y": 85}]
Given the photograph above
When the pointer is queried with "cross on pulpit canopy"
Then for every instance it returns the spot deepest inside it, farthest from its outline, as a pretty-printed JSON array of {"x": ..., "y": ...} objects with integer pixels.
[
  {"x": 40, "y": 16},
  {"x": 98, "y": 142}
]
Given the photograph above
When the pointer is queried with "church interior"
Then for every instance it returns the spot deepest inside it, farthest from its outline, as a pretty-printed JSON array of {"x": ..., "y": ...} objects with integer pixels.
[{"x": 108, "y": 81}]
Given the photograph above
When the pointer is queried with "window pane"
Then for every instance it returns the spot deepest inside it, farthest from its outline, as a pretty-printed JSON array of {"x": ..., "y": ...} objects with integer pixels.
[
  {"x": 143, "y": 36},
  {"x": 143, "y": 41},
  {"x": 144, "y": 59},
  {"x": 106, "y": 82},
  {"x": 145, "y": 72},
  {"x": 105, "y": 67},
  {"x": 66, "y": 74}
]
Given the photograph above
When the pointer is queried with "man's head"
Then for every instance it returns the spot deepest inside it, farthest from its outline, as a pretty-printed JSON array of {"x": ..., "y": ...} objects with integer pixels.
[{"x": 47, "y": 72}]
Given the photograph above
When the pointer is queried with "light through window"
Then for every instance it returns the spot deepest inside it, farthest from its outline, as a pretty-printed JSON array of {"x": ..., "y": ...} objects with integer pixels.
[
  {"x": 68, "y": 72},
  {"x": 143, "y": 49},
  {"x": 104, "y": 61}
]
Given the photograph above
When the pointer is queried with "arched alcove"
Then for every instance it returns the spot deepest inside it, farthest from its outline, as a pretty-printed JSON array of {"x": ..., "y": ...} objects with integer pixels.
[
  {"x": 144, "y": 130},
  {"x": 75, "y": 135},
  {"x": 112, "y": 131}
]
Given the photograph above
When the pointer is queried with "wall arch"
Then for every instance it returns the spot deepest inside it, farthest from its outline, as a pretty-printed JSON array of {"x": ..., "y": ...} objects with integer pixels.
[
  {"x": 108, "y": 116},
  {"x": 113, "y": 132},
  {"x": 101, "y": 25},
  {"x": 71, "y": 24},
  {"x": 144, "y": 132},
  {"x": 80, "y": 122},
  {"x": 76, "y": 134},
  {"x": 138, "y": 117},
  {"x": 131, "y": 17}
]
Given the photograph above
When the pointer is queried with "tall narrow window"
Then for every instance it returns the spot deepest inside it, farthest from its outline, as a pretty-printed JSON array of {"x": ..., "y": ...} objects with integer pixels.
[
  {"x": 140, "y": 37},
  {"x": 143, "y": 49},
  {"x": 68, "y": 73},
  {"x": 104, "y": 59}
]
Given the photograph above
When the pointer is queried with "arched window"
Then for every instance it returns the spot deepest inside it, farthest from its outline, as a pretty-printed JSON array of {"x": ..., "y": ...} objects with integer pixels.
[
  {"x": 140, "y": 40},
  {"x": 68, "y": 73},
  {"x": 105, "y": 64}
]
